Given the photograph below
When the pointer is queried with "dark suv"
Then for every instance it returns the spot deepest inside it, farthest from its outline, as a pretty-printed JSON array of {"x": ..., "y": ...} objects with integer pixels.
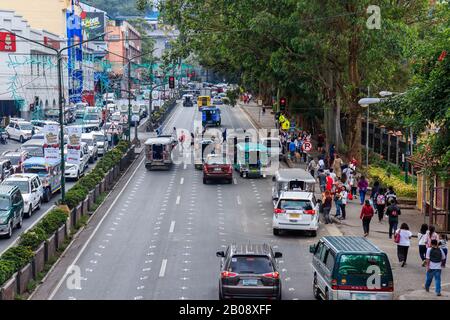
[{"x": 249, "y": 271}]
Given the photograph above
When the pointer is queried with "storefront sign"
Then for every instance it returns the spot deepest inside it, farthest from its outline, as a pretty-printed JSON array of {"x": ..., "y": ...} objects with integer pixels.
[{"x": 7, "y": 42}]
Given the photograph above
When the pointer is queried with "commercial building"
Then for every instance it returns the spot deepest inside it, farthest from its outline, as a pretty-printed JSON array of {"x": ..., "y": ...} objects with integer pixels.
[{"x": 28, "y": 72}]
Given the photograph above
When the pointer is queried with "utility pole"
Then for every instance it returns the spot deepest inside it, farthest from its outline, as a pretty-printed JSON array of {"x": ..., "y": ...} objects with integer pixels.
[
  {"x": 129, "y": 101},
  {"x": 367, "y": 129}
]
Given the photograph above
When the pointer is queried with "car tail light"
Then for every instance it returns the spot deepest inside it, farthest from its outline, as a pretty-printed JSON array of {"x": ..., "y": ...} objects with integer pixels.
[
  {"x": 279, "y": 211},
  {"x": 312, "y": 212},
  {"x": 228, "y": 274},
  {"x": 273, "y": 275},
  {"x": 229, "y": 169},
  {"x": 334, "y": 285}
]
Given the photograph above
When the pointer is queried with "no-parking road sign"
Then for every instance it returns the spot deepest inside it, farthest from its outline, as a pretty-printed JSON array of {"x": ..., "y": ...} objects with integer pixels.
[{"x": 307, "y": 146}]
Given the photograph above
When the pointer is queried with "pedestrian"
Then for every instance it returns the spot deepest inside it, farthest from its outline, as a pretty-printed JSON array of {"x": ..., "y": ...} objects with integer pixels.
[
  {"x": 330, "y": 182},
  {"x": 430, "y": 235},
  {"x": 174, "y": 132},
  {"x": 338, "y": 203},
  {"x": 374, "y": 191},
  {"x": 320, "y": 142},
  {"x": 337, "y": 166},
  {"x": 322, "y": 180},
  {"x": 312, "y": 167},
  {"x": 327, "y": 203},
  {"x": 380, "y": 204},
  {"x": 390, "y": 194},
  {"x": 263, "y": 110},
  {"x": 443, "y": 245},
  {"x": 331, "y": 153},
  {"x": 192, "y": 139},
  {"x": 403, "y": 240},
  {"x": 292, "y": 149},
  {"x": 333, "y": 175},
  {"x": 393, "y": 211},
  {"x": 366, "y": 215},
  {"x": 422, "y": 243},
  {"x": 362, "y": 186},
  {"x": 321, "y": 163},
  {"x": 224, "y": 135},
  {"x": 344, "y": 197},
  {"x": 435, "y": 261}
]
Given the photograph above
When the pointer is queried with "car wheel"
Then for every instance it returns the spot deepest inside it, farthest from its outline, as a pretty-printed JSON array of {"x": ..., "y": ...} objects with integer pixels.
[
  {"x": 30, "y": 211},
  {"x": 205, "y": 181},
  {"x": 230, "y": 181},
  {"x": 10, "y": 230},
  {"x": 39, "y": 204},
  {"x": 313, "y": 233},
  {"x": 46, "y": 195},
  {"x": 276, "y": 232},
  {"x": 19, "y": 224},
  {"x": 316, "y": 290},
  {"x": 21, "y": 139},
  {"x": 78, "y": 176}
]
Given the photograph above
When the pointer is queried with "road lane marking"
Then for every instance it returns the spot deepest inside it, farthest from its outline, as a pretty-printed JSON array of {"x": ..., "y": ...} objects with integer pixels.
[
  {"x": 238, "y": 200},
  {"x": 178, "y": 200},
  {"x": 182, "y": 181},
  {"x": 162, "y": 271},
  {"x": 172, "y": 226}
]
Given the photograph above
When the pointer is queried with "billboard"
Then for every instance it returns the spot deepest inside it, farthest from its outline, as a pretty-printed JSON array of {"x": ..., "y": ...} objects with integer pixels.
[
  {"x": 7, "y": 42},
  {"x": 94, "y": 25}
]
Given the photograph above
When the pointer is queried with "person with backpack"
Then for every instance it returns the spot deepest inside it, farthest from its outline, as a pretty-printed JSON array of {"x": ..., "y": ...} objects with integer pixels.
[
  {"x": 422, "y": 243},
  {"x": 435, "y": 259},
  {"x": 443, "y": 245},
  {"x": 375, "y": 191},
  {"x": 430, "y": 235},
  {"x": 403, "y": 239},
  {"x": 327, "y": 202},
  {"x": 366, "y": 215},
  {"x": 393, "y": 211},
  {"x": 390, "y": 194},
  {"x": 380, "y": 204}
]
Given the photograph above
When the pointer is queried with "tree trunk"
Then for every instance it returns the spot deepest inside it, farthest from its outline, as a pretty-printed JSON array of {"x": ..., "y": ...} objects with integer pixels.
[{"x": 354, "y": 133}]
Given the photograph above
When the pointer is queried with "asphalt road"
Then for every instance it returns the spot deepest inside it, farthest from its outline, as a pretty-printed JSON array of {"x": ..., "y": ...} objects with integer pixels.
[{"x": 159, "y": 238}]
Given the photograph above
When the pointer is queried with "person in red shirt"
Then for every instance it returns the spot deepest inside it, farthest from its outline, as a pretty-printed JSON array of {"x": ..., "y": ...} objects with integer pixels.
[
  {"x": 367, "y": 213},
  {"x": 330, "y": 182}
]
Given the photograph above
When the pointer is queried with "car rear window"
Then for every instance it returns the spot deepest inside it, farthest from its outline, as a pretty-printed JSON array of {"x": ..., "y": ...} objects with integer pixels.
[
  {"x": 251, "y": 264},
  {"x": 217, "y": 160},
  {"x": 357, "y": 268},
  {"x": 295, "y": 204}
]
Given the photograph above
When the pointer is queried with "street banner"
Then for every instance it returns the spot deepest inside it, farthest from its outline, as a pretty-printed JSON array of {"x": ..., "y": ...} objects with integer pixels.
[
  {"x": 52, "y": 153},
  {"x": 51, "y": 134},
  {"x": 73, "y": 156},
  {"x": 74, "y": 134},
  {"x": 94, "y": 25}
]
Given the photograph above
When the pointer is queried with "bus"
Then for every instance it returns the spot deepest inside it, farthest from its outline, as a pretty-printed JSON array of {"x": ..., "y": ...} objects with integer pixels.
[{"x": 203, "y": 101}]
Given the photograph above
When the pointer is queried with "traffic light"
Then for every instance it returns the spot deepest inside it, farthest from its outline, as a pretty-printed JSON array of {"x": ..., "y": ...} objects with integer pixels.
[
  {"x": 172, "y": 82},
  {"x": 282, "y": 104}
]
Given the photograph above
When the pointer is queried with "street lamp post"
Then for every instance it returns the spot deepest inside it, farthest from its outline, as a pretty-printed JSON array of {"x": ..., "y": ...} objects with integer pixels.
[
  {"x": 365, "y": 103},
  {"x": 58, "y": 53}
]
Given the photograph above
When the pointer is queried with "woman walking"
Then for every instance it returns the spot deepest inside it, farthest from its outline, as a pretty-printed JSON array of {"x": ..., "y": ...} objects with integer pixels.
[
  {"x": 422, "y": 243},
  {"x": 344, "y": 196},
  {"x": 362, "y": 186},
  {"x": 380, "y": 203},
  {"x": 327, "y": 203},
  {"x": 402, "y": 238},
  {"x": 431, "y": 235},
  {"x": 366, "y": 215}
]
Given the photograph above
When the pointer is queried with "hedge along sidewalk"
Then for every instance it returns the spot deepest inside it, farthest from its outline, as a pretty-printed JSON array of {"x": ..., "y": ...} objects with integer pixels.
[{"x": 21, "y": 265}]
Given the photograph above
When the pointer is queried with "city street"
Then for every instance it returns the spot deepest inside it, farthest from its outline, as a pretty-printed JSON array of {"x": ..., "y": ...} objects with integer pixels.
[{"x": 160, "y": 237}]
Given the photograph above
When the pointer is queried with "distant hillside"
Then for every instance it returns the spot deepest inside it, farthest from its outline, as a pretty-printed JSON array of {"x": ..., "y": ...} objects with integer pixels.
[{"x": 116, "y": 8}]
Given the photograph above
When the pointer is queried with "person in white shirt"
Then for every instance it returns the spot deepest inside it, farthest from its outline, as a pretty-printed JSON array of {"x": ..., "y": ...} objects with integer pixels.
[
  {"x": 344, "y": 197},
  {"x": 321, "y": 164},
  {"x": 435, "y": 260},
  {"x": 402, "y": 237},
  {"x": 423, "y": 243}
]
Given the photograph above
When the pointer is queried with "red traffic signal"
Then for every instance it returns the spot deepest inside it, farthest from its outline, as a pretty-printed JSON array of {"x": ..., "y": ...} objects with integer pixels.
[
  {"x": 171, "y": 82},
  {"x": 282, "y": 103}
]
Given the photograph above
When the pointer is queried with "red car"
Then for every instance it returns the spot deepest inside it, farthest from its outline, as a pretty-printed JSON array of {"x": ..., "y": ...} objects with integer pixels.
[{"x": 217, "y": 167}]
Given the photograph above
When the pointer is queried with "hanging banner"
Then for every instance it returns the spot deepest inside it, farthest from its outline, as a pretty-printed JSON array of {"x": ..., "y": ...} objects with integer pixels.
[
  {"x": 74, "y": 135},
  {"x": 73, "y": 155},
  {"x": 52, "y": 153},
  {"x": 51, "y": 135}
]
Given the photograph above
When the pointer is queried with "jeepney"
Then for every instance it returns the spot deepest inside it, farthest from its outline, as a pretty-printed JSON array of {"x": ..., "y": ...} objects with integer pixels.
[
  {"x": 211, "y": 116},
  {"x": 48, "y": 171},
  {"x": 251, "y": 159},
  {"x": 294, "y": 179},
  {"x": 158, "y": 152},
  {"x": 203, "y": 101}
]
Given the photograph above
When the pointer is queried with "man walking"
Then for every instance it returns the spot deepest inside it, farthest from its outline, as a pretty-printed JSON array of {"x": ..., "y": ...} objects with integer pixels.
[
  {"x": 312, "y": 167},
  {"x": 393, "y": 211},
  {"x": 435, "y": 258}
]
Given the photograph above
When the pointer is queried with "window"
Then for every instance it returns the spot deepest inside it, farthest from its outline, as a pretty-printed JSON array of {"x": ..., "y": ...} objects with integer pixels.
[
  {"x": 319, "y": 249},
  {"x": 288, "y": 204},
  {"x": 330, "y": 261},
  {"x": 357, "y": 268},
  {"x": 250, "y": 264},
  {"x": 4, "y": 202}
]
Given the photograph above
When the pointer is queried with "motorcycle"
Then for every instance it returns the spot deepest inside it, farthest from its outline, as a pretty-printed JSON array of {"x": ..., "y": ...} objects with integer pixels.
[{"x": 3, "y": 138}]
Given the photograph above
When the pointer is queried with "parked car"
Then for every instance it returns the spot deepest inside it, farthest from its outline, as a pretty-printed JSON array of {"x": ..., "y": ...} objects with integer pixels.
[
  {"x": 30, "y": 187},
  {"x": 16, "y": 158},
  {"x": 89, "y": 139},
  {"x": 217, "y": 167},
  {"x": 249, "y": 271},
  {"x": 75, "y": 168},
  {"x": 39, "y": 124},
  {"x": 296, "y": 210},
  {"x": 343, "y": 267},
  {"x": 11, "y": 210},
  {"x": 6, "y": 169},
  {"x": 101, "y": 141},
  {"x": 19, "y": 130}
]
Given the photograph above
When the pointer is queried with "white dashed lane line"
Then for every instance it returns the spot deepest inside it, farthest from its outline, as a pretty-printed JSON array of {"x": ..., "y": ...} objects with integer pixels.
[
  {"x": 178, "y": 200},
  {"x": 162, "y": 271},
  {"x": 172, "y": 227},
  {"x": 182, "y": 181}
]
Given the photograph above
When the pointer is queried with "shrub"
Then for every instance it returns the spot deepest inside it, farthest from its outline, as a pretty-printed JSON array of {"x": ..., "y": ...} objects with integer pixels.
[
  {"x": 75, "y": 195},
  {"x": 19, "y": 256},
  {"x": 53, "y": 221},
  {"x": 33, "y": 238},
  {"x": 400, "y": 187},
  {"x": 87, "y": 182},
  {"x": 7, "y": 269}
]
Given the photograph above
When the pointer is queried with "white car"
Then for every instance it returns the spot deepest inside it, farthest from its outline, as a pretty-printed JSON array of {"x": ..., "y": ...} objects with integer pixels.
[
  {"x": 217, "y": 100},
  {"x": 88, "y": 138},
  {"x": 296, "y": 210},
  {"x": 19, "y": 130},
  {"x": 76, "y": 170},
  {"x": 31, "y": 188},
  {"x": 102, "y": 142},
  {"x": 39, "y": 124}
]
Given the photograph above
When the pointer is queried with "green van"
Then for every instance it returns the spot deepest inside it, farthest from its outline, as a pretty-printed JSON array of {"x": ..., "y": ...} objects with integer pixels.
[
  {"x": 11, "y": 209},
  {"x": 350, "y": 268}
]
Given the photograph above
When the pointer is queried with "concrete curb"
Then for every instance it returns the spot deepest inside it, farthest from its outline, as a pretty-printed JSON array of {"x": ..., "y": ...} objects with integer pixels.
[{"x": 255, "y": 123}]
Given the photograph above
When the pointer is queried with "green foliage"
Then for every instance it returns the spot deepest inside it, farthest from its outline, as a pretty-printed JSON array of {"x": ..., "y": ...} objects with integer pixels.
[
  {"x": 33, "y": 238},
  {"x": 19, "y": 256},
  {"x": 119, "y": 7},
  {"x": 53, "y": 221},
  {"x": 7, "y": 269}
]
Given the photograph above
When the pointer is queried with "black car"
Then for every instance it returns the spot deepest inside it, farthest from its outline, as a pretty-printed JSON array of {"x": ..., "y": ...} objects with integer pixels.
[{"x": 249, "y": 271}]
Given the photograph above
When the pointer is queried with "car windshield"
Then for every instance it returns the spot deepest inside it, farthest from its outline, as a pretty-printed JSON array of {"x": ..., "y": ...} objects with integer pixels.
[
  {"x": 39, "y": 171},
  {"x": 357, "y": 268},
  {"x": 34, "y": 151},
  {"x": 14, "y": 159},
  {"x": 89, "y": 142},
  {"x": 4, "y": 203},
  {"x": 295, "y": 204},
  {"x": 99, "y": 138},
  {"x": 91, "y": 116},
  {"x": 251, "y": 264},
  {"x": 25, "y": 126},
  {"x": 22, "y": 185},
  {"x": 217, "y": 160}
]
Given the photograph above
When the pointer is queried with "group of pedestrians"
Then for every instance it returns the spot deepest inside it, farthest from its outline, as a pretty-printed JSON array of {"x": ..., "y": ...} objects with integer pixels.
[
  {"x": 293, "y": 143},
  {"x": 247, "y": 97}
]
